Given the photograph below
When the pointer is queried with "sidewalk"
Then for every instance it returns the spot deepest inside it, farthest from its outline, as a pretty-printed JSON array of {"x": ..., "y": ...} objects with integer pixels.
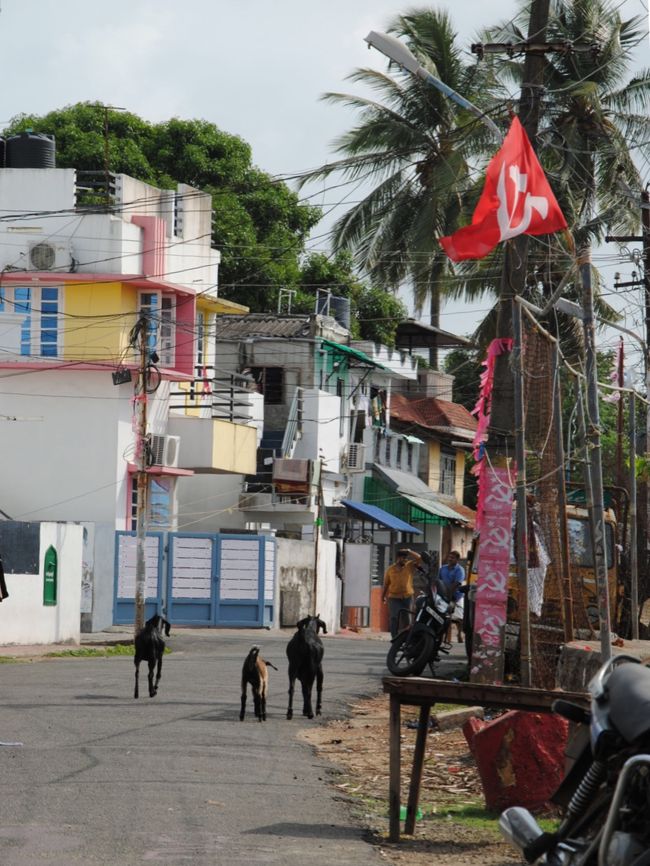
[{"x": 118, "y": 634}]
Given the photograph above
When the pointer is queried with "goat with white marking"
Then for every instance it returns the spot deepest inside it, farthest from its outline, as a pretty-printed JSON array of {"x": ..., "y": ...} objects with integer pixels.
[
  {"x": 255, "y": 672},
  {"x": 150, "y": 647},
  {"x": 305, "y": 654}
]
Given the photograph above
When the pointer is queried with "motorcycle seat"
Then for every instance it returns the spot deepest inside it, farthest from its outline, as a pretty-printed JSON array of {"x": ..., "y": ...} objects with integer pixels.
[{"x": 628, "y": 689}]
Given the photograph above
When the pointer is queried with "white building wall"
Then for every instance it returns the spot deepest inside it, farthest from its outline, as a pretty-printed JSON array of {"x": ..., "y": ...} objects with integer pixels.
[
  {"x": 295, "y": 571},
  {"x": 210, "y": 503},
  {"x": 65, "y": 456},
  {"x": 321, "y": 436},
  {"x": 23, "y": 617}
]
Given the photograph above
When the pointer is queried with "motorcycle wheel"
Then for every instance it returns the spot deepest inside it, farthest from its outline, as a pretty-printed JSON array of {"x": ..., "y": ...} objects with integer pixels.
[{"x": 409, "y": 653}]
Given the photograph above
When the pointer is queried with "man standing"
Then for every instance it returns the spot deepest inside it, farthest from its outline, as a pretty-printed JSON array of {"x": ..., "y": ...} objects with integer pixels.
[
  {"x": 398, "y": 586},
  {"x": 452, "y": 575}
]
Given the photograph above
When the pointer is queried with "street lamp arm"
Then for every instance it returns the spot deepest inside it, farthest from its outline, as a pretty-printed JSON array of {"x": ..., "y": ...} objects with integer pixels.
[{"x": 396, "y": 51}]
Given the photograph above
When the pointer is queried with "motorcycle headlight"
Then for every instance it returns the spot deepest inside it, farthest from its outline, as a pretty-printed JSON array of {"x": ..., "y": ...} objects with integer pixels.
[{"x": 440, "y": 604}]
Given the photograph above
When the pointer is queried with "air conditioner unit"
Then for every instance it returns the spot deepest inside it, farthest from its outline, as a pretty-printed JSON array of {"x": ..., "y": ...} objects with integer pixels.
[
  {"x": 165, "y": 450},
  {"x": 356, "y": 457},
  {"x": 49, "y": 256}
]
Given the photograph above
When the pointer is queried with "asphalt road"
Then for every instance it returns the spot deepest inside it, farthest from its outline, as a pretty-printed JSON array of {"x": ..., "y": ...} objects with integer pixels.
[{"x": 101, "y": 778}]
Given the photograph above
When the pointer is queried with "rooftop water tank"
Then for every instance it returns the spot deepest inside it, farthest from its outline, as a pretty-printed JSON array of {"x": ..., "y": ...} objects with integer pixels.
[
  {"x": 31, "y": 150},
  {"x": 340, "y": 310}
]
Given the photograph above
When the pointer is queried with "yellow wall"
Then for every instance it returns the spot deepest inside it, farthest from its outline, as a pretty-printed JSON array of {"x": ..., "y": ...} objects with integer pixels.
[
  {"x": 433, "y": 471},
  {"x": 234, "y": 448},
  {"x": 97, "y": 321},
  {"x": 433, "y": 479}
]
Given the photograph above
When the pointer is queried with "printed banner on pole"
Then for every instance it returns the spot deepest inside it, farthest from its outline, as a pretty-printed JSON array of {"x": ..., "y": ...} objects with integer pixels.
[{"x": 495, "y": 547}]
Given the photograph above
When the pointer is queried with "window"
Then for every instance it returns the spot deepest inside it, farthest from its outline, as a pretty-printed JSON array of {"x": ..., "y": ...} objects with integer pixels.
[
  {"x": 161, "y": 334},
  {"x": 270, "y": 382},
  {"x": 36, "y": 312},
  {"x": 388, "y": 443},
  {"x": 398, "y": 459},
  {"x": 160, "y": 503},
  {"x": 200, "y": 338},
  {"x": 447, "y": 473},
  {"x": 409, "y": 455}
]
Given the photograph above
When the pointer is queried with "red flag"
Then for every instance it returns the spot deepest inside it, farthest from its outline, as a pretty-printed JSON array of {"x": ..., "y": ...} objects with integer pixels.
[{"x": 516, "y": 200}]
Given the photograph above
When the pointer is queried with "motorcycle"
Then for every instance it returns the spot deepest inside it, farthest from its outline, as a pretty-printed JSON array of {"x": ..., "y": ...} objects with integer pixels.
[
  {"x": 423, "y": 640},
  {"x": 605, "y": 794}
]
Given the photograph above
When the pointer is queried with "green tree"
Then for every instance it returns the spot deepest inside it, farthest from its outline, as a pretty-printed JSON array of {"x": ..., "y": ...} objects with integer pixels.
[
  {"x": 374, "y": 312},
  {"x": 414, "y": 145},
  {"x": 259, "y": 224},
  {"x": 465, "y": 365},
  {"x": 593, "y": 116}
]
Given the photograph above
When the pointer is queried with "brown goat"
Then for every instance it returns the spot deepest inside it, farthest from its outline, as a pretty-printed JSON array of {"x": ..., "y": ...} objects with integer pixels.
[{"x": 255, "y": 672}]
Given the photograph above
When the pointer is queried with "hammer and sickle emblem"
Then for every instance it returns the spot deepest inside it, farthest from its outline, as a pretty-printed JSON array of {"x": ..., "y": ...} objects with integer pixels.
[
  {"x": 498, "y": 537},
  {"x": 499, "y": 495},
  {"x": 531, "y": 202},
  {"x": 494, "y": 581}
]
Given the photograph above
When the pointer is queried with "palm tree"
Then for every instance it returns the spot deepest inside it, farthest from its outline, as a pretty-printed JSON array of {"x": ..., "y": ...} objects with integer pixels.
[
  {"x": 593, "y": 118},
  {"x": 415, "y": 145}
]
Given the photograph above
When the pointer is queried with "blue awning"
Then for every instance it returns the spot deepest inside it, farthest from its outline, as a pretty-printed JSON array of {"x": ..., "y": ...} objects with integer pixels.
[{"x": 378, "y": 515}]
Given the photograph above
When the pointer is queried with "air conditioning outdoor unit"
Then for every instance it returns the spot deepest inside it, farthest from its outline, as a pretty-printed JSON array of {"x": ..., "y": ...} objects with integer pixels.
[
  {"x": 49, "y": 256},
  {"x": 165, "y": 450},
  {"x": 356, "y": 457}
]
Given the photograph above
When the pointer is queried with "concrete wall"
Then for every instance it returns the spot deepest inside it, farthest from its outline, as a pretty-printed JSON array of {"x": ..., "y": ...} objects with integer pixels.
[
  {"x": 24, "y": 619},
  {"x": 295, "y": 580},
  {"x": 67, "y": 460}
]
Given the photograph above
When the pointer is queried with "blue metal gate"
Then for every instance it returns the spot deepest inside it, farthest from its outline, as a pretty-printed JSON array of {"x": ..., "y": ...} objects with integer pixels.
[
  {"x": 211, "y": 579},
  {"x": 125, "y": 574}
]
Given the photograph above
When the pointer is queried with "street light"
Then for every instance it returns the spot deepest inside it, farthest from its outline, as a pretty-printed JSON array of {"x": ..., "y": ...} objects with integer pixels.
[{"x": 396, "y": 51}]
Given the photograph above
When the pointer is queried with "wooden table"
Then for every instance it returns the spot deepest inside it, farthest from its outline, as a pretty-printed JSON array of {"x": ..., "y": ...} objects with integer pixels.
[{"x": 424, "y": 693}]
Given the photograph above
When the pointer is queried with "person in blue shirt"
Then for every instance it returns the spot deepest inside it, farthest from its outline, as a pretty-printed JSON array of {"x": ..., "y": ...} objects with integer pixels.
[{"x": 452, "y": 574}]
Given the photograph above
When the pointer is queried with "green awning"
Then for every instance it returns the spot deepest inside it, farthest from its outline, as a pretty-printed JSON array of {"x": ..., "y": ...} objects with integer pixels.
[
  {"x": 435, "y": 508},
  {"x": 352, "y": 353}
]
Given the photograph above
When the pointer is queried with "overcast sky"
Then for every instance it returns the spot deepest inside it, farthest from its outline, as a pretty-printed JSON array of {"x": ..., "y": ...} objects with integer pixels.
[{"x": 255, "y": 68}]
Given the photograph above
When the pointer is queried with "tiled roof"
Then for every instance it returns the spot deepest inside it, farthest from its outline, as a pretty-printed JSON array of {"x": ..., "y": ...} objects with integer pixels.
[
  {"x": 431, "y": 412},
  {"x": 241, "y": 327}
]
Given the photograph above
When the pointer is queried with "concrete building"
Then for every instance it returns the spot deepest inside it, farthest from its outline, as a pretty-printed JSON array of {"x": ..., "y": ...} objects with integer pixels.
[{"x": 80, "y": 264}]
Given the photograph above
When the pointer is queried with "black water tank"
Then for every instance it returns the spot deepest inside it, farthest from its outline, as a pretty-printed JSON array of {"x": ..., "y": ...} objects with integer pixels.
[{"x": 31, "y": 150}]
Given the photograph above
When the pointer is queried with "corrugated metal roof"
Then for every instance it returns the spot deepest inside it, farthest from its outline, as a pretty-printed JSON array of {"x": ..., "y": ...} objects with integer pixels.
[
  {"x": 242, "y": 327},
  {"x": 378, "y": 515},
  {"x": 435, "y": 507}
]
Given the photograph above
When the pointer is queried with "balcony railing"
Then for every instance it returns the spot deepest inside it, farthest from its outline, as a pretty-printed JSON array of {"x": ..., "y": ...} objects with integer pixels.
[
  {"x": 220, "y": 395},
  {"x": 293, "y": 430}
]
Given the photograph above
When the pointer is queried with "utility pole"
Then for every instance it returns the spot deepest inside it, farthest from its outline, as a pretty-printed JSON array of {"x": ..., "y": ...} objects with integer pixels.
[
  {"x": 499, "y": 446},
  {"x": 522, "y": 509},
  {"x": 641, "y": 535},
  {"x": 634, "y": 560},
  {"x": 593, "y": 443},
  {"x": 141, "y": 330}
]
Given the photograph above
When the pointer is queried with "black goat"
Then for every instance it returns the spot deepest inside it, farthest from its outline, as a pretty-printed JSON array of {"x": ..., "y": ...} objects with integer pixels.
[
  {"x": 305, "y": 654},
  {"x": 150, "y": 647},
  {"x": 255, "y": 672}
]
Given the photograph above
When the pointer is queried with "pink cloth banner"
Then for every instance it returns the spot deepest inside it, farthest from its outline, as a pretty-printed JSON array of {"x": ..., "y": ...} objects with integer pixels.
[{"x": 495, "y": 544}]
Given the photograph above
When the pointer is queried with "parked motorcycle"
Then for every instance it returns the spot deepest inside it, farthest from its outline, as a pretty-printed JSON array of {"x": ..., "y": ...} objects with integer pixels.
[
  {"x": 420, "y": 644},
  {"x": 606, "y": 792}
]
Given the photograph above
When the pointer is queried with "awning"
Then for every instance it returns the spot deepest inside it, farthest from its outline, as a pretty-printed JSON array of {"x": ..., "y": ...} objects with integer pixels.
[
  {"x": 357, "y": 354},
  {"x": 415, "y": 335},
  {"x": 378, "y": 515},
  {"x": 435, "y": 507}
]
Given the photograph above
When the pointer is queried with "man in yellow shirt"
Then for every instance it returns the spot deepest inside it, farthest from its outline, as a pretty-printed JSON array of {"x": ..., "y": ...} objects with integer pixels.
[{"x": 398, "y": 587}]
